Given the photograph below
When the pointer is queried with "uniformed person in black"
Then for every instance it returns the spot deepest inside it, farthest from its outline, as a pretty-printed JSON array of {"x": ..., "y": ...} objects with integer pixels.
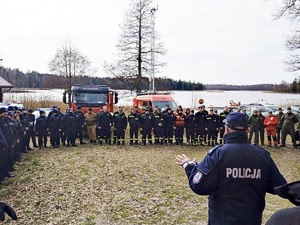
[
  {"x": 31, "y": 130},
  {"x": 158, "y": 127},
  {"x": 134, "y": 124},
  {"x": 55, "y": 127},
  {"x": 190, "y": 125},
  {"x": 115, "y": 114},
  {"x": 200, "y": 125},
  {"x": 169, "y": 126},
  {"x": 211, "y": 127},
  {"x": 41, "y": 128},
  {"x": 120, "y": 124},
  {"x": 105, "y": 125},
  {"x": 236, "y": 176},
  {"x": 8, "y": 133},
  {"x": 147, "y": 125},
  {"x": 79, "y": 124},
  {"x": 223, "y": 116},
  {"x": 70, "y": 120}
]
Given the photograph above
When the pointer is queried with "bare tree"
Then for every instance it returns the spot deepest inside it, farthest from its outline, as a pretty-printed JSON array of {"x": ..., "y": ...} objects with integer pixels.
[
  {"x": 69, "y": 62},
  {"x": 291, "y": 10},
  {"x": 134, "y": 47}
]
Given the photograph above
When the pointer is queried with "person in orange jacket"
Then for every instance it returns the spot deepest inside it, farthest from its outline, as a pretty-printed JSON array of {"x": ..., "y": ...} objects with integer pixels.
[{"x": 270, "y": 122}]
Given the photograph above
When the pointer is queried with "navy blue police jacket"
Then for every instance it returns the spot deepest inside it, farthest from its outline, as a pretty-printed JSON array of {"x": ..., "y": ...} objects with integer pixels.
[{"x": 236, "y": 176}]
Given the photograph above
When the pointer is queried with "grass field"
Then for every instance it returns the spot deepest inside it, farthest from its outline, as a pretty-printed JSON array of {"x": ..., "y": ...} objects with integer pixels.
[{"x": 92, "y": 184}]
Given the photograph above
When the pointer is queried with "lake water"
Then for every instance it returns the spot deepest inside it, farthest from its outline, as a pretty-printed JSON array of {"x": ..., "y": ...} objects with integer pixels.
[{"x": 184, "y": 98}]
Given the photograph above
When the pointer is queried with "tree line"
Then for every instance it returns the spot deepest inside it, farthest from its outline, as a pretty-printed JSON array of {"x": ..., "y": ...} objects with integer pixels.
[{"x": 33, "y": 79}]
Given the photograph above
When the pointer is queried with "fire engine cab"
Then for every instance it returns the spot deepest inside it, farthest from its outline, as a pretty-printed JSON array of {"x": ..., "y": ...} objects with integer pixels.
[
  {"x": 152, "y": 100},
  {"x": 91, "y": 96}
]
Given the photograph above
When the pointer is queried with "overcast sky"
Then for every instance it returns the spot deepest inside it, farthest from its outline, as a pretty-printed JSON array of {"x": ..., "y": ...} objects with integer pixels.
[{"x": 208, "y": 41}]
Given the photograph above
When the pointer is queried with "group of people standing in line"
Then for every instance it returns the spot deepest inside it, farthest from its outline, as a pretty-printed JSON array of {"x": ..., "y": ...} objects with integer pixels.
[
  {"x": 19, "y": 126},
  {"x": 277, "y": 127}
]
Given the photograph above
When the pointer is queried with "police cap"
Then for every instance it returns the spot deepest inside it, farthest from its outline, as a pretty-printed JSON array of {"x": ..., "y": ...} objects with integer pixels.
[
  {"x": 290, "y": 191},
  {"x": 2, "y": 110},
  {"x": 236, "y": 121}
]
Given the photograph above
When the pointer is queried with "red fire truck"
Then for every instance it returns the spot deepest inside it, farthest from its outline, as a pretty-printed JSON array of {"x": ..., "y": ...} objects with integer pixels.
[{"x": 91, "y": 96}]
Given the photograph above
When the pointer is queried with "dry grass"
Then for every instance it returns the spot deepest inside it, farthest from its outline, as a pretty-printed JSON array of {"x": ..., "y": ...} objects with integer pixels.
[{"x": 94, "y": 184}]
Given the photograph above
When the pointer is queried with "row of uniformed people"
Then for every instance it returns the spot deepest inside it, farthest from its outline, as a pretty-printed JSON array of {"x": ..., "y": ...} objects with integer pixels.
[
  {"x": 200, "y": 127},
  {"x": 16, "y": 130}
]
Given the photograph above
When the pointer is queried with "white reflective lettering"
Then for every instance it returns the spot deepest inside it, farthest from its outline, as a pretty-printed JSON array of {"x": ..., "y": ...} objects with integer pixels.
[
  {"x": 228, "y": 172},
  {"x": 243, "y": 173},
  {"x": 235, "y": 173},
  {"x": 247, "y": 173},
  {"x": 258, "y": 175}
]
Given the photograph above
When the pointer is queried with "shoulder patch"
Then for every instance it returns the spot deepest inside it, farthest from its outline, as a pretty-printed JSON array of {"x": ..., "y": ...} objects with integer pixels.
[
  {"x": 262, "y": 149},
  {"x": 211, "y": 151}
]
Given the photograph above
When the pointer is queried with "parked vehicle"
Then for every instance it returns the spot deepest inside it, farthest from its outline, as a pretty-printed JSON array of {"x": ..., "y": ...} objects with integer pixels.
[
  {"x": 91, "y": 96},
  {"x": 153, "y": 99},
  {"x": 264, "y": 109}
]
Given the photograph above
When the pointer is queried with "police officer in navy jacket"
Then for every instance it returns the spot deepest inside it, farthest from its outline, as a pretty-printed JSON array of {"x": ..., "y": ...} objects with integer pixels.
[{"x": 236, "y": 176}]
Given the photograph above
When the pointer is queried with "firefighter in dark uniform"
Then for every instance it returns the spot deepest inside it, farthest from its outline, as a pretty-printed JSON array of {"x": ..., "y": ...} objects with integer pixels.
[
  {"x": 158, "y": 127},
  {"x": 79, "y": 124},
  {"x": 211, "y": 127},
  {"x": 147, "y": 126},
  {"x": 223, "y": 116},
  {"x": 114, "y": 116},
  {"x": 41, "y": 128},
  {"x": 236, "y": 176},
  {"x": 287, "y": 121},
  {"x": 105, "y": 125},
  {"x": 70, "y": 120},
  {"x": 31, "y": 131},
  {"x": 200, "y": 125},
  {"x": 288, "y": 216},
  {"x": 190, "y": 125},
  {"x": 179, "y": 124},
  {"x": 218, "y": 130},
  {"x": 120, "y": 125},
  {"x": 168, "y": 126},
  {"x": 55, "y": 127},
  {"x": 134, "y": 124}
]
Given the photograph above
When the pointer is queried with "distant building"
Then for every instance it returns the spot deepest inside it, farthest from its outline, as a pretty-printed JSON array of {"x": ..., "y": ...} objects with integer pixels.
[{"x": 5, "y": 86}]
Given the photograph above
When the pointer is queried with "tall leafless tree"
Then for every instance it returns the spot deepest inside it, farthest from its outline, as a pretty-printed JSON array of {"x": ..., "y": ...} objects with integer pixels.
[
  {"x": 291, "y": 10},
  {"x": 69, "y": 62},
  {"x": 134, "y": 47}
]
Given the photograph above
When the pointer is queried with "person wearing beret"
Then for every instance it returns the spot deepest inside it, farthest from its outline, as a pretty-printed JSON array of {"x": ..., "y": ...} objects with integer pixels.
[
  {"x": 236, "y": 176},
  {"x": 288, "y": 216}
]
